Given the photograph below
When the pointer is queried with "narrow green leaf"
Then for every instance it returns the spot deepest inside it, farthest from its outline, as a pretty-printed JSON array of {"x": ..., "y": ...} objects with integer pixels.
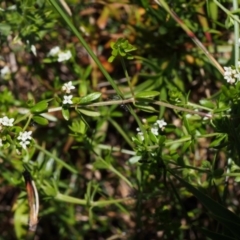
[
  {"x": 39, "y": 107},
  {"x": 49, "y": 117},
  {"x": 90, "y": 98},
  {"x": 65, "y": 113},
  {"x": 110, "y": 59},
  {"x": 222, "y": 214},
  {"x": 49, "y": 188},
  {"x": 89, "y": 112},
  {"x": 40, "y": 120},
  {"x": 100, "y": 164},
  {"x": 218, "y": 140},
  {"x": 230, "y": 224},
  {"x": 146, "y": 108},
  {"x": 58, "y": 160},
  {"x": 222, "y": 109},
  {"x": 147, "y": 94},
  {"x": 215, "y": 236},
  {"x": 207, "y": 103},
  {"x": 121, "y": 131},
  {"x": 134, "y": 159}
]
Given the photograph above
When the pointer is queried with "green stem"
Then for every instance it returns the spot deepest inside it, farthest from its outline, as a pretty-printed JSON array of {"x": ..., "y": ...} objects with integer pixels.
[
  {"x": 131, "y": 100},
  {"x": 232, "y": 174},
  {"x": 58, "y": 160},
  {"x": 236, "y": 34},
  {"x": 115, "y": 149},
  {"x": 111, "y": 168},
  {"x": 64, "y": 198},
  {"x": 183, "y": 140},
  {"x": 120, "y": 130},
  {"x": 28, "y": 122},
  {"x": 197, "y": 106},
  {"x": 234, "y": 17},
  {"x": 208, "y": 115},
  {"x": 127, "y": 76},
  {"x": 26, "y": 115}
]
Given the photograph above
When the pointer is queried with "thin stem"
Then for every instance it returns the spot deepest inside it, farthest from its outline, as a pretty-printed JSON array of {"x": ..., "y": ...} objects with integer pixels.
[
  {"x": 227, "y": 11},
  {"x": 121, "y": 131},
  {"x": 208, "y": 115},
  {"x": 58, "y": 160},
  {"x": 64, "y": 198},
  {"x": 131, "y": 100},
  {"x": 115, "y": 149},
  {"x": 127, "y": 76},
  {"x": 197, "y": 106},
  {"x": 183, "y": 140},
  {"x": 236, "y": 34},
  {"x": 111, "y": 168},
  {"x": 28, "y": 122},
  {"x": 232, "y": 174},
  {"x": 26, "y": 113}
]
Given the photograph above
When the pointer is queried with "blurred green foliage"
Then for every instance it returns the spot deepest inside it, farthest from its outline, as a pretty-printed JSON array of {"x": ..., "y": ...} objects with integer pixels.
[{"x": 105, "y": 164}]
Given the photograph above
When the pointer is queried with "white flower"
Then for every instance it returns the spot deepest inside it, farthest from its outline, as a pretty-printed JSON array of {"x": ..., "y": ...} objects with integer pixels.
[
  {"x": 230, "y": 79},
  {"x": 24, "y": 138},
  {"x": 5, "y": 71},
  {"x": 237, "y": 75},
  {"x": 5, "y": 121},
  {"x": 24, "y": 144},
  {"x": 161, "y": 124},
  {"x": 54, "y": 51},
  {"x": 12, "y": 7},
  {"x": 64, "y": 56},
  {"x": 231, "y": 75},
  {"x": 67, "y": 87},
  {"x": 67, "y": 99},
  {"x": 228, "y": 71}
]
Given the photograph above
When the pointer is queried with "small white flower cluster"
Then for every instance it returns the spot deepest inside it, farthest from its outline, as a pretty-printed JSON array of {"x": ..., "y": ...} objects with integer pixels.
[
  {"x": 159, "y": 124},
  {"x": 5, "y": 121},
  {"x": 231, "y": 74},
  {"x": 24, "y": 138},
  {"x": 62, "y": 55},
  {"x": 67, "y": 87}
]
